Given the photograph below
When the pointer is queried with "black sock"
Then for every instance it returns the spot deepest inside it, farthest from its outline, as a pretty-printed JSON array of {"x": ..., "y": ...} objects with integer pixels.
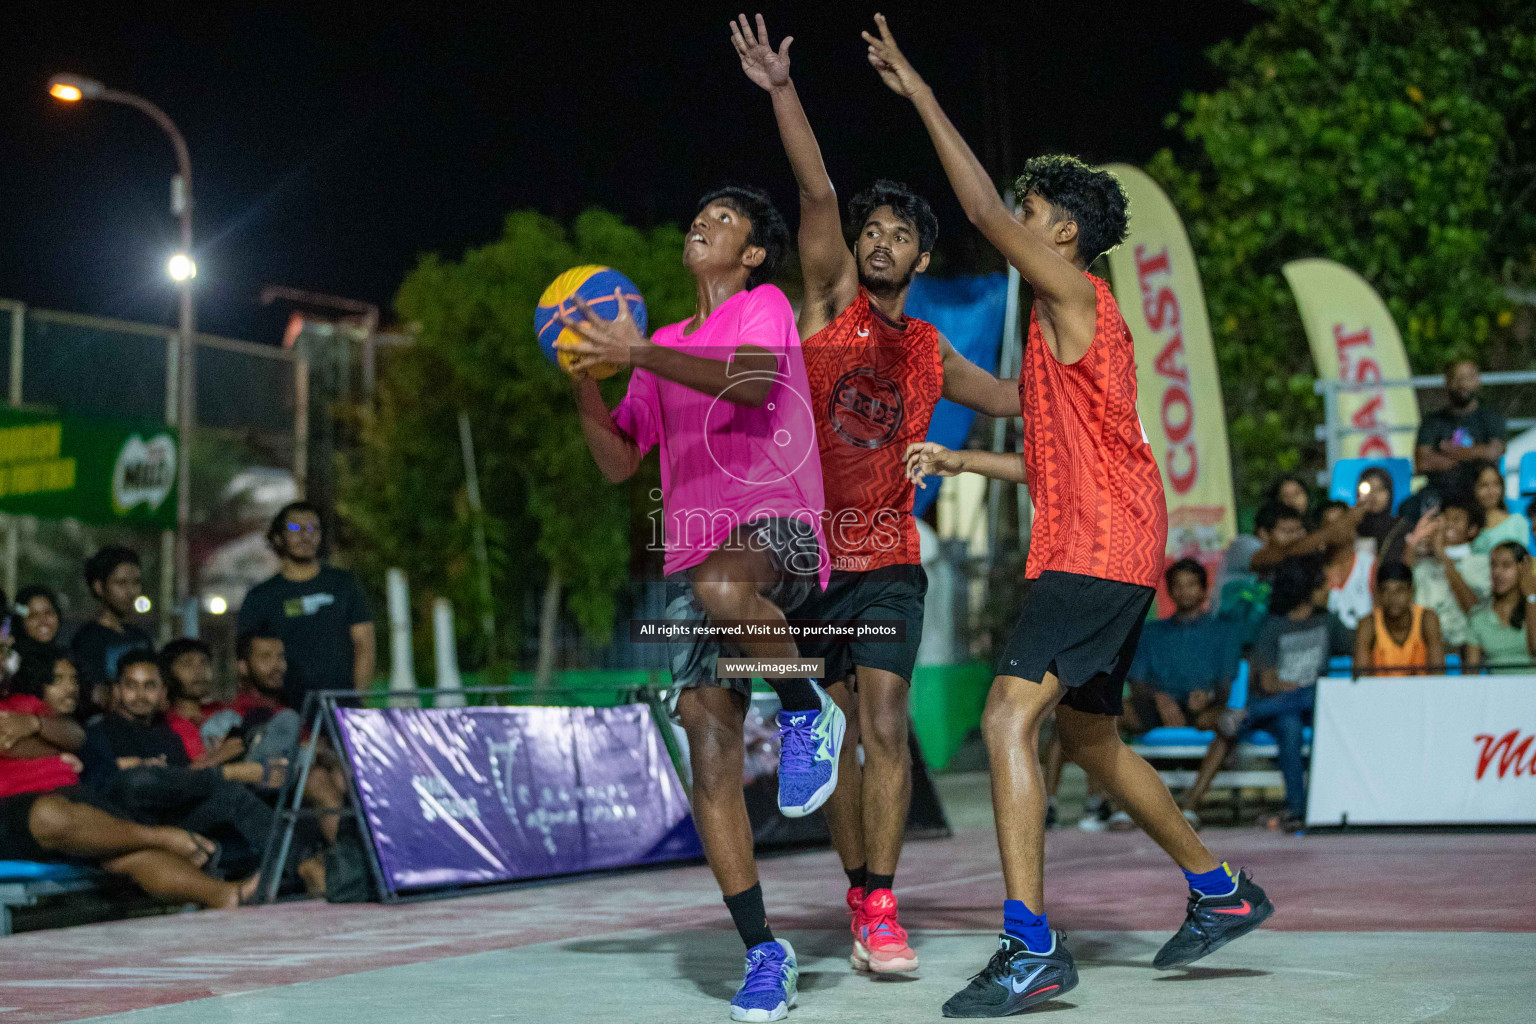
[
  {"x": 796, "y": 694},
  {"x": 879, "y": 881},
  {"x": 856, "y": 876},
  {"x": 751, "y": 919}
]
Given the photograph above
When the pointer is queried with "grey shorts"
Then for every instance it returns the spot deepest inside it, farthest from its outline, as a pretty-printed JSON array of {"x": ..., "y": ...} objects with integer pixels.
[{"x": 795, "y": 555}]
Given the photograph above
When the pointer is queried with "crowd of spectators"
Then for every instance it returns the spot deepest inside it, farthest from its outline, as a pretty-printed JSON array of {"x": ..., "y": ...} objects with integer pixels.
[
  {"x": 1442, "y": 578},
  {"x": 115, "y": 755}
]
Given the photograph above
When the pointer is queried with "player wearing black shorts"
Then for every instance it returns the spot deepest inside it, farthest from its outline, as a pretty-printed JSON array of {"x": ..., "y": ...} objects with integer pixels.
[
  {"x": 875, "y": 377},
  {"x": 1096, "y": 552}
]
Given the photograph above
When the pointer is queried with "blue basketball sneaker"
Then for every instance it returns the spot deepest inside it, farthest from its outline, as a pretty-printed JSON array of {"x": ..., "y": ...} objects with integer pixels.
[
  {"x": 809, "y": 745},
  {"x": 1016, "y": 979},
  {"x": 768, "y": 992}
]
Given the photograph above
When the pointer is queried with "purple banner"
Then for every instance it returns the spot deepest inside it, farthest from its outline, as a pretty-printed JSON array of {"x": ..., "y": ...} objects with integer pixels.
[{"x": 463, "y": 796}]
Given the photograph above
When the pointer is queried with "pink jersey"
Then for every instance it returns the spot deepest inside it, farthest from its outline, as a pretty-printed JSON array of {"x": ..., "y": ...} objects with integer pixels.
[{"x": 724, "y": 465}]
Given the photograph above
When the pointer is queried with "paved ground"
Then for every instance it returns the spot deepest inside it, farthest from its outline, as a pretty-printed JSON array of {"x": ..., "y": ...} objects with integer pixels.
[{"x": 1370, "y": 928}]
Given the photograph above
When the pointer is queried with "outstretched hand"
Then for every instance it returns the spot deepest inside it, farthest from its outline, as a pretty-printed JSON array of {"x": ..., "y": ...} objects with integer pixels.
[
  {"x": 926, "y": 458},
  {"x": 894, "y": 68},
  {"x": 600, "y": 341},
  {"x": 765, "y": 66}
]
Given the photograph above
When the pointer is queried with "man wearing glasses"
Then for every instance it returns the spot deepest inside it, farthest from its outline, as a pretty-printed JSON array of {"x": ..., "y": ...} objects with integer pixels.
[{"x": 319, "y": 611}]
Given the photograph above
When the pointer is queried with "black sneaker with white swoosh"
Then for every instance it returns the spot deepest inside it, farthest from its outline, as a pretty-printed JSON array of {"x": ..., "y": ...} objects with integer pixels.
[
  {"x": 1211, "y": 922},
  {"x": 1016, "y": 979}
]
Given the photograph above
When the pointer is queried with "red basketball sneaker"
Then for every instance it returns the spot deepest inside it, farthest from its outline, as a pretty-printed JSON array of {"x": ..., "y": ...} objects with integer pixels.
[{"x": 879, "y": 940}]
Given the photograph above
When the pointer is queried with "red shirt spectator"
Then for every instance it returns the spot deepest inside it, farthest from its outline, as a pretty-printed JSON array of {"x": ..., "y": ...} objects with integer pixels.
[
  {"x": 32, "y": 774},
  {"x": 188, "y": 733}
]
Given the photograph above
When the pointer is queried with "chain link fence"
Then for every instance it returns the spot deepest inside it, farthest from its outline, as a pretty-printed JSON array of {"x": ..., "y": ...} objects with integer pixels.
[{"x": 247, "y": 453}]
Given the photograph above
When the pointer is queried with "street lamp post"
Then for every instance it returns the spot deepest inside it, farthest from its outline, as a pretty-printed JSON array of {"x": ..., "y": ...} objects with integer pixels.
[{"x": 71, "y": 89}]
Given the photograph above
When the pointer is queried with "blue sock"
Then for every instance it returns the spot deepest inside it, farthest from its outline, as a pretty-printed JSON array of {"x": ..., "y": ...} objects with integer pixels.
[
  {"x": 1216, "y": 882},
  {"x": 1026, "y": 926}
]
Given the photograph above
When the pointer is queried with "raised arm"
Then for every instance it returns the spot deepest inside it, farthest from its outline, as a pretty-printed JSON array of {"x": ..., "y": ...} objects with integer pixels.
[
  {"x": 1341, "y": 531},
  {"x": 969, "y": 385},
  {"x": 826, "y": 263},
  {"x": 1056, "y": 282}
]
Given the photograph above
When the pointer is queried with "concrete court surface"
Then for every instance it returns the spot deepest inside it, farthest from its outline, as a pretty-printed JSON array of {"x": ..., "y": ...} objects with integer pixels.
[{"x": 1370, "y": 927}]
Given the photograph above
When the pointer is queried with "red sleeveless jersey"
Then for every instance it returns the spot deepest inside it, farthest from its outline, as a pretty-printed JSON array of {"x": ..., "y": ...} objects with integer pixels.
[
  {"x": 874, "y": 385},
  {"x": 1098, "y": 495}
]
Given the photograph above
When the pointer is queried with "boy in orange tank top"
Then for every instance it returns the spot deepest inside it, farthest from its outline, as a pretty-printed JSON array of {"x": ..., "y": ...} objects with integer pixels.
[
  {"x": 1095, "y": 557},
  {"x": 1398, "y": 637}
]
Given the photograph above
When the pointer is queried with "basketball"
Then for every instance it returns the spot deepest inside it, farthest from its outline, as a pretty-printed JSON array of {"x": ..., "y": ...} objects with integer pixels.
[{"x": 596, "y": 287}]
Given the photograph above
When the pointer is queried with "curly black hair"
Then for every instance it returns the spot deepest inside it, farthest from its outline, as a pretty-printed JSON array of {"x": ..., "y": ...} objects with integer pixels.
[
  {"x": 768, "y": 228},
  {"x": 1093, "y": 198},
  {"x": 904, "y": 203}
]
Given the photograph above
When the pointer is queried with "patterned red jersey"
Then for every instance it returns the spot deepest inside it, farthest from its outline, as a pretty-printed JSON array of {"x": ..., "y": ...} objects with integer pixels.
[
  {"x": 874, "y": 384},
  {"x": 1098, "y": 495}
]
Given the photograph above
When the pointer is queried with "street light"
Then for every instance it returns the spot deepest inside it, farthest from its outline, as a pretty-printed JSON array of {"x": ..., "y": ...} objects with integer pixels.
[
  {"x": 72, "y": 89},
  {"x": 181, "y": 268}
]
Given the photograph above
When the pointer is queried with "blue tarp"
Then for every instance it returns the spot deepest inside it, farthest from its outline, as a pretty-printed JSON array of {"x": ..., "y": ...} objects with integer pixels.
[{"x": 969, "y": 312}]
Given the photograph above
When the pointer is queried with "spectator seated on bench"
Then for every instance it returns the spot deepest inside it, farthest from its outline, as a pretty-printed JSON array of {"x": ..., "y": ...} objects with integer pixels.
[
  {"x": 1398, "y": 636},
  {"x": 46, "y": 816},
  {"x": 1288, "y": 656},
  {"x": 1449, "y": 577},
  {"x": 1186, "y": 662},
  {"x": 1464, "y": 431},
  {"x": 1481, "y": 483},
  {"x": 1503, "y": 631},
  {"x": 138, "y": 761}
]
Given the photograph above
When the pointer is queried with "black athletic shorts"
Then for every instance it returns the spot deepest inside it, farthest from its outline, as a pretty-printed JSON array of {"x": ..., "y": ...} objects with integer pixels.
[
  {"x": 16, "y": 842},
  {"x": 1084, "y": 630},
  {"x": 890, "y": 592}
]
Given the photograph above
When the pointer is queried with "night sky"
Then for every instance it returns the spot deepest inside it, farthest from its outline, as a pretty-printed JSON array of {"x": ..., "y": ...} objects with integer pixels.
[{"x": 333, "y": 143}]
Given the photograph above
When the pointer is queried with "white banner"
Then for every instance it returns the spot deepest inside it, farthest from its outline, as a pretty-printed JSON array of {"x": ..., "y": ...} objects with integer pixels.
[{"x": 1424, "y": 750}]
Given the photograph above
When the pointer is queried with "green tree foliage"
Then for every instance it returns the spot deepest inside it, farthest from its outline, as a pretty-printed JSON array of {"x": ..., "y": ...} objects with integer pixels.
[
  {"x": 546, "y": 506},
  {"x": 1396, "y": 137}
]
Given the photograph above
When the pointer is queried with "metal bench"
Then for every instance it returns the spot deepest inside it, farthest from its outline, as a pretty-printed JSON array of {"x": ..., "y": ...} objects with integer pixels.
[
  {"x": 1168, "y": 748},
  {"x": 23, "y": 883}
]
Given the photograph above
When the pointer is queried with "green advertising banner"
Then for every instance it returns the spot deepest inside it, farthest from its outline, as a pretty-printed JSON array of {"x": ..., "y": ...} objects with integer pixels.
[{"x": 109, "y": 472}]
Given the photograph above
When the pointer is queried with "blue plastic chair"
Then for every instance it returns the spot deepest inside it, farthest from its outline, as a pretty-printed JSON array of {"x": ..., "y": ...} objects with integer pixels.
[
  {"x": 1528, "y": 474},
  {"x": 1345, "y": 480},
  {"x": 33, "y": 871}
]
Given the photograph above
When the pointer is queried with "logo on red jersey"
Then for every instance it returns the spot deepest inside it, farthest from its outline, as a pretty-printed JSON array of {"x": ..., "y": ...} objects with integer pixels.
[{"x": 866, "y": 410}]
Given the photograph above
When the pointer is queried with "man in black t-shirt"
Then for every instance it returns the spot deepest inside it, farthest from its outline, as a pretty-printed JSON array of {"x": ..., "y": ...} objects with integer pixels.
[
  {"x": 115, "y": 579},
  {"x": 319, "y": 612},
  {"x": 1462, "y": 431},
  {"x": 137, "y": 761}
]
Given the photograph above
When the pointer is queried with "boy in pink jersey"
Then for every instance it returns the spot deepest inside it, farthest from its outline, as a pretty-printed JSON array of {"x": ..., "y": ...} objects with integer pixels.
[{"x": 725, "y": 397}]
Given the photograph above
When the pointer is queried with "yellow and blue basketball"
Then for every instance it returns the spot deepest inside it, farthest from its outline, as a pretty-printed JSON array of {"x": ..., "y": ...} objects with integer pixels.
[{"x": 596, "y": 286}]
